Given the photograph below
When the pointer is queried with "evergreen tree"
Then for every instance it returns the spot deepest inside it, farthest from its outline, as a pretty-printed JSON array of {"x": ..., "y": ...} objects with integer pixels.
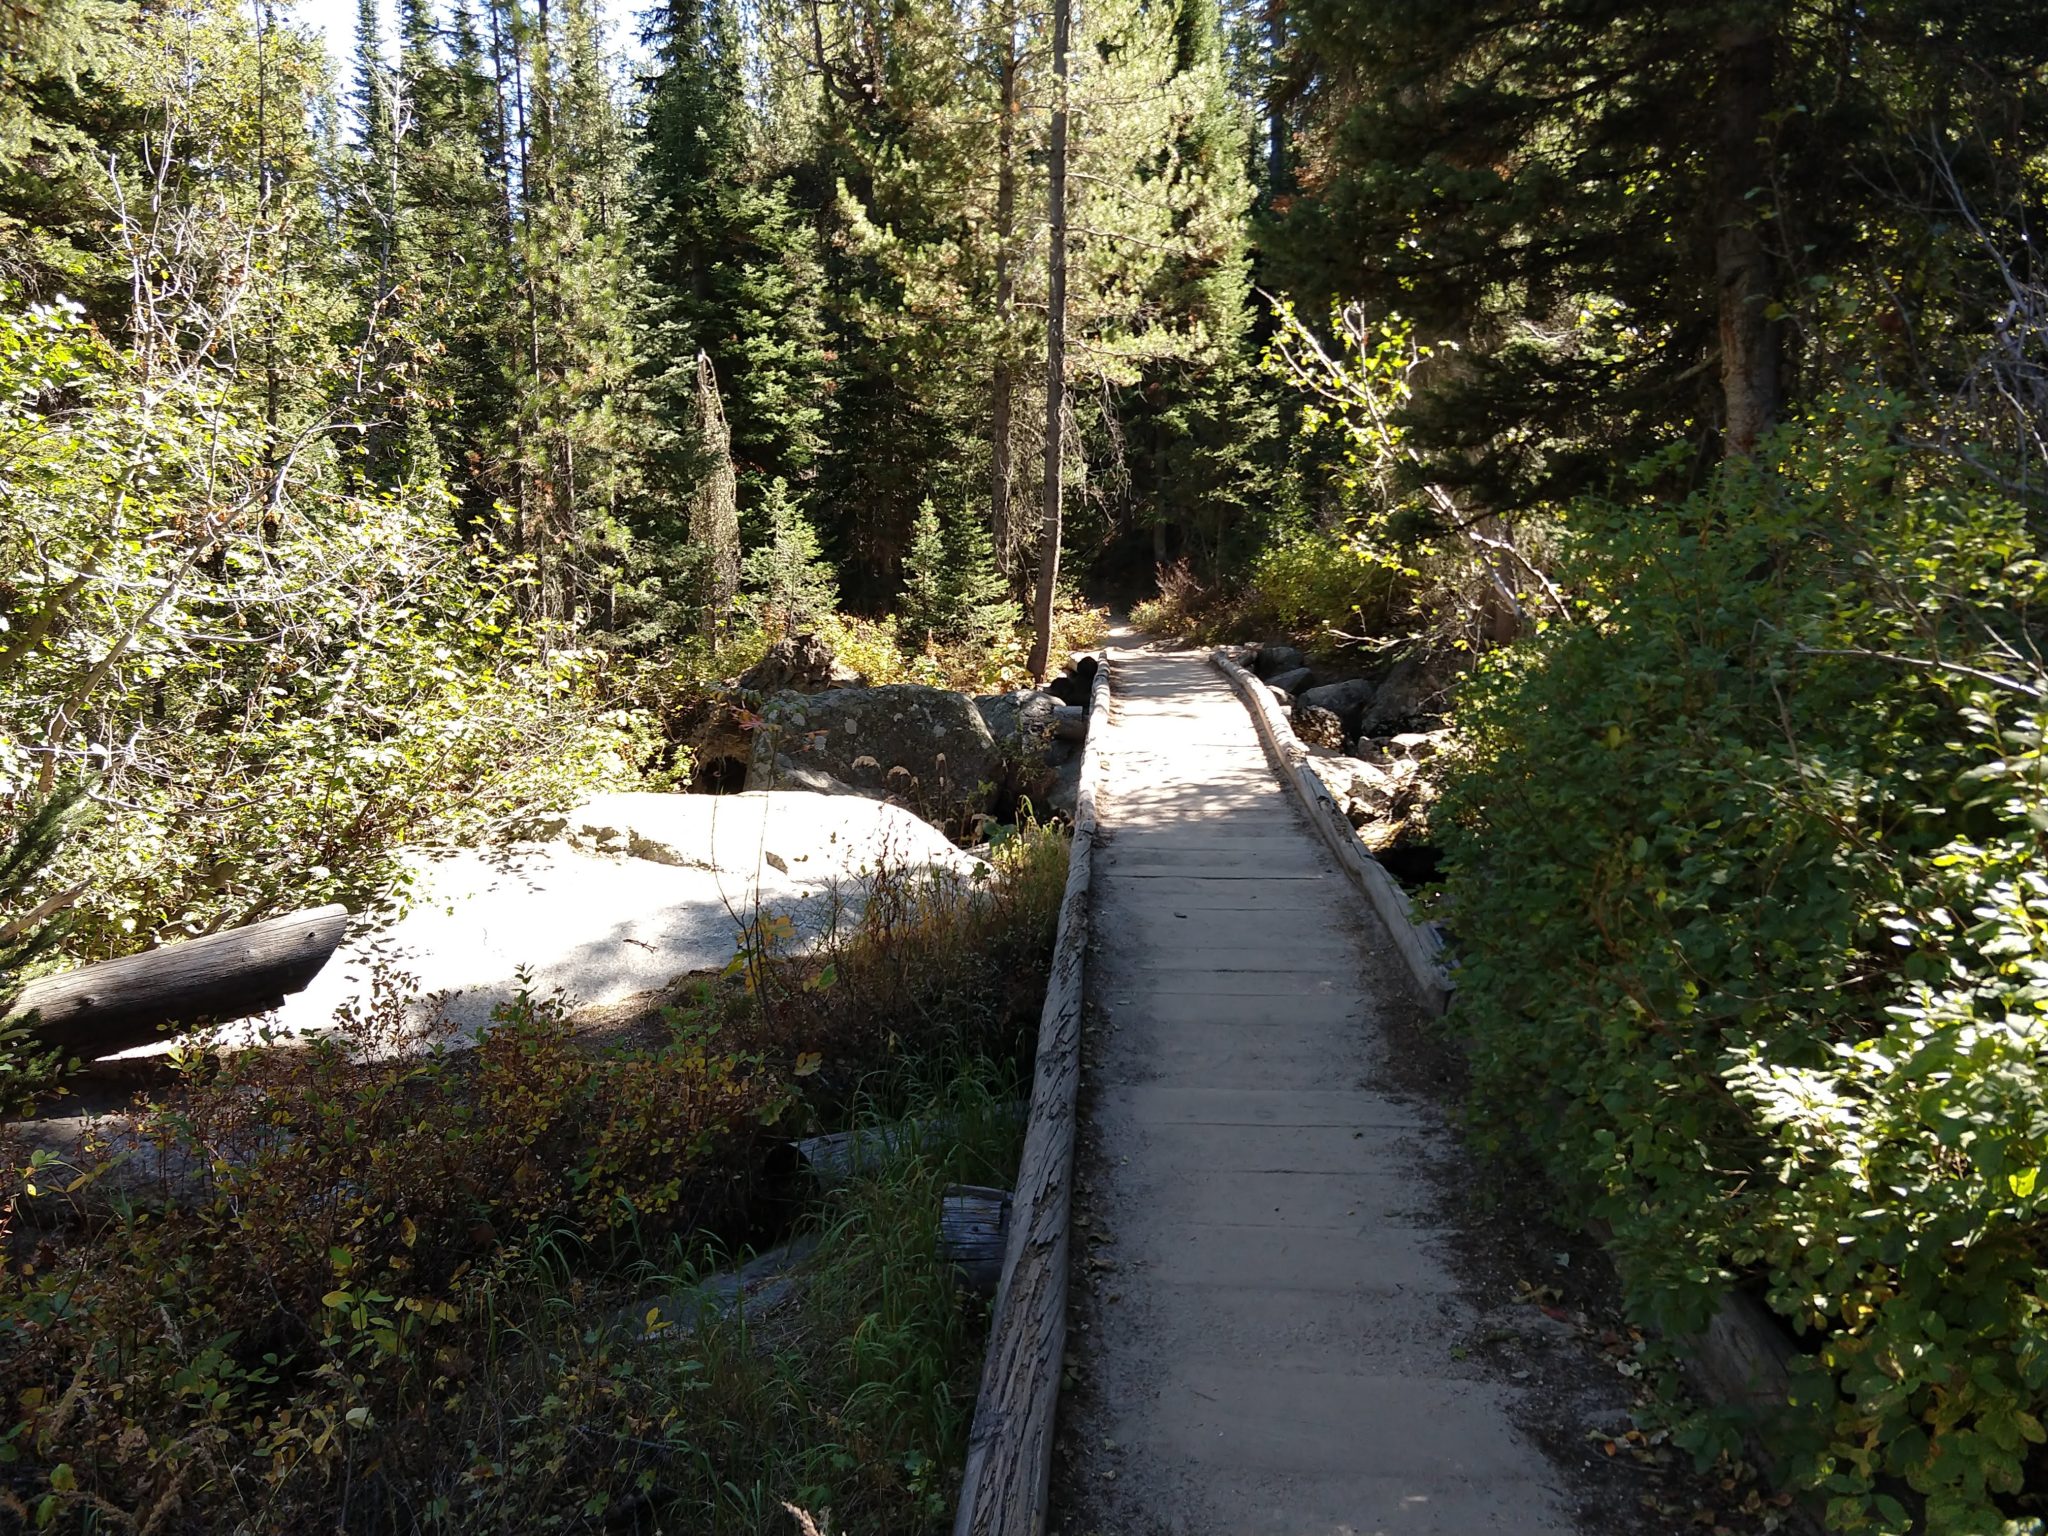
[
  {"x": 57, "y": 111},
  {"x": 979, "y": 608},
  {"x": 1616, "y": 210},
  {"x": 1204, "y": 440},
  {"x": 923, "y": 606},
  {"x": 734, "y": 270},
  {"x": 564, "y": 455},
  {"x": 388, "y": 340},
  {"x": 454, "y": 238},
  {"x": 952, "y": 588},
  {"x": 790, "y": 586}
]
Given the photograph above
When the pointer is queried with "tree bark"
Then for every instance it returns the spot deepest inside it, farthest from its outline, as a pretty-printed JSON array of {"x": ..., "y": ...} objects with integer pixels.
[
  {"x": 1742, "y": 263},
  {"x": 1006, "y": 290},
  {"x": 1055, "y": 343},
  {"x": 1276, "y": 111},
  {"x": 116, "y": 1004}
]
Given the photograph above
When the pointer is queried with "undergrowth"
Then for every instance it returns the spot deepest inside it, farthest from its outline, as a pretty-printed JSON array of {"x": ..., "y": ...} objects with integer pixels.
[
  {"x": 1747, "y": 872},
  {"x": 380, "y": 1292}
]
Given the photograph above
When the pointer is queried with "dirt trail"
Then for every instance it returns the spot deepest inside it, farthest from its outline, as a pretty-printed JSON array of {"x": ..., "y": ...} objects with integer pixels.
[{"x": 1275, "y": 1339}]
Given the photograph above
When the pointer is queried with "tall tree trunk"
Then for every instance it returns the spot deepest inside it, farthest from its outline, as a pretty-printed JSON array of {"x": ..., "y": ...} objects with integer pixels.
[
  {"x": 1742, "y": 263},
  {"x": 1276, "y": 112},
  {"x": 1006, "y": 292},
  {"x": 1055, "y": 342}
]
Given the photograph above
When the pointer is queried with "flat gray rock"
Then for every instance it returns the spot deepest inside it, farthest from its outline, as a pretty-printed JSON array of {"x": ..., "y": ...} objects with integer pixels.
[
  {"x": 798, "y": 833},
  {"x": 642, "y": 890}
]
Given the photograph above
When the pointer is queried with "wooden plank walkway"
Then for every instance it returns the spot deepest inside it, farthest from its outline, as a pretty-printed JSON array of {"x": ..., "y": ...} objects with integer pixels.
[{"x": 1271, "y": 1347}]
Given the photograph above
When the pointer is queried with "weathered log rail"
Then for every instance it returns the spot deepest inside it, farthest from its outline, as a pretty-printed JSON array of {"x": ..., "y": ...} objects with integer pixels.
[
  {"x": 117, "y": 1004},
  {"x": 1010, "y": 1448},
  {"x": 1420, "y": 944}
]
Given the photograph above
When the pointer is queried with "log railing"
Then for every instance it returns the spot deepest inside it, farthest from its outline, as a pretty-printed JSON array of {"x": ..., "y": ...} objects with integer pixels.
[
  {"x": 1009, "y": 1450},
  {"x": 1420, "y": 944}
]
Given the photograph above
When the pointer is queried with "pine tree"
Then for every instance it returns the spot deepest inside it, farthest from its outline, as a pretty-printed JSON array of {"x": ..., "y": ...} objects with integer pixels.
[
  {"x": 923, "y": 606},
  {"x": 1614, "y": 209},
  {"x": 1204, "y": 438},
  {"x": 952, "y": 587},
  {"x": 790, "y": 586},
  {"x": 562, "y": 458},
  {"x": 387, "y": 339},
  {"x": 57, "y": 113},
  {"x": 980, "y": 610},
  {"x": 734, "y": 270}
]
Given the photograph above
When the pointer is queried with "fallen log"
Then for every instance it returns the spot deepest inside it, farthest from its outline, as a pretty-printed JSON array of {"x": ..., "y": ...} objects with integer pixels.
[
  {"x": 974, "y": 1228},
  {"x": 116, "y": 1004}
]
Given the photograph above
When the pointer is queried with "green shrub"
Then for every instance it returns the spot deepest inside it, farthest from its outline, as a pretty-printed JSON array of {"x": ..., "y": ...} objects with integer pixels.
[
  {"x": 1323, "y": 587},
  {"x": 28, "y": 1068},
  {"x": 271, "y": 687},
  {"x": 1746, "y": 870},
  {"x": 1310, "y": 583}
]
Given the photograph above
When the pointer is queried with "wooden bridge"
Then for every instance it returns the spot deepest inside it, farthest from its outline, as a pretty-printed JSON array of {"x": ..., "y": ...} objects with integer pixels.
[{"x": 1271, "y": 1323}]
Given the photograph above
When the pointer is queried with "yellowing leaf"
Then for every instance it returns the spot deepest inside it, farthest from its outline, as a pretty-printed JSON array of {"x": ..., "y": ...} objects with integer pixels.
[
  {"x": 2022, "y": 1183},
  {"x": 808, "y": 1062}
]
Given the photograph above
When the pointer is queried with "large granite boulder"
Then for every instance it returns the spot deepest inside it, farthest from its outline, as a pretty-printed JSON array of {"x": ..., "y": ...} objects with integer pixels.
[
  {"x": 923, "y": 747},
  {"x": 1293, "y": 683},
  {"x": 642, "y": 889},
  {"x": 802, "y": 834}
]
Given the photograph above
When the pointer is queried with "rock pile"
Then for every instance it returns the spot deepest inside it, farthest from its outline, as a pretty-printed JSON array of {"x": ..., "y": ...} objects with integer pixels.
[
  {"x": 1371, "y": 736},
  {"x": 800, "y": 664}
]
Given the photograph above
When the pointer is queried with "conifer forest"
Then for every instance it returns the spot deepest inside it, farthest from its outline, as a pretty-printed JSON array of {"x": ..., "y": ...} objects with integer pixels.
[{"x": 423, "y": 438}]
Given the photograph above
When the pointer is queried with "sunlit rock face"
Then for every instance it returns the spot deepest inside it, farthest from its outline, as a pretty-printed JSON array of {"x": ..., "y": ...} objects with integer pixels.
[{"x": 638, "y": 890}]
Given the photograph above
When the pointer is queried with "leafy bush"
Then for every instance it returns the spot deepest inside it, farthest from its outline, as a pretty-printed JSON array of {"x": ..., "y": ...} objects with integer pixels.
[
  {"x": 28, "y": 1068},
  {"x": 271, "y": 684},
  {"x": 1311, "y": 583},
  {"x": 1323, "y": 588},
  {"x": 1747, "y": 874}
]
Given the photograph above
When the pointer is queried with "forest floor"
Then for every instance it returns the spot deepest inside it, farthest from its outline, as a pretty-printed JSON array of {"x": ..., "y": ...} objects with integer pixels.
[{"x": 1301, "y": 1305}]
